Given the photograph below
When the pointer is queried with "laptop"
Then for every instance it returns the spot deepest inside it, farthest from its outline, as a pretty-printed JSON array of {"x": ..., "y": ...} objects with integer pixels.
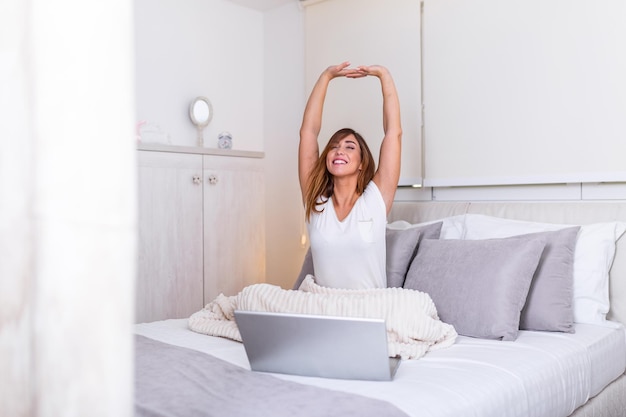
[{"x": 316, "y": 345}]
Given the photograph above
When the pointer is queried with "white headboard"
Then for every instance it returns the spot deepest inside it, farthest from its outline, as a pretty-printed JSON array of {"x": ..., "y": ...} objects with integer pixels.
[{"x": 575, "y": 213}]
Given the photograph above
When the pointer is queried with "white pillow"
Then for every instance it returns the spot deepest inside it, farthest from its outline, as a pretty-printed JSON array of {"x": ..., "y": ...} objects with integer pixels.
[
  {"x": 451, "y": 228},
  {"x": 595, "y": 250}
]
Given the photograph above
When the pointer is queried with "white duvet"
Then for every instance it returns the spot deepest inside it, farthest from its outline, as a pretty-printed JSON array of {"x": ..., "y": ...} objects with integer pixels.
[{"x": 413, "y": 327}]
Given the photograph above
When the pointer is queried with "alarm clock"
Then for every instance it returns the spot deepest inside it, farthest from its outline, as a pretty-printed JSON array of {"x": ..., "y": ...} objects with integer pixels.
[{"x": 224, "y": 140}]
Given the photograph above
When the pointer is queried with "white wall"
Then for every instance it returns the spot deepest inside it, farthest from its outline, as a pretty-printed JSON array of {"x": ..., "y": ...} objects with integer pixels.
[
  {"x": 284, "y": 104},
  {"x": 336, "y": 31},
  {"x": 336, "y": 11},
  {"x": 190, "y": 48},
  {"x": 530, "y": 93}
]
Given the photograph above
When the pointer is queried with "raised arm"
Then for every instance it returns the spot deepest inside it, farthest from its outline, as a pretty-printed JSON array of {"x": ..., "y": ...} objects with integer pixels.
[
  {"x": 308, "y": 152},
  {"x": 388, "y": 173}
]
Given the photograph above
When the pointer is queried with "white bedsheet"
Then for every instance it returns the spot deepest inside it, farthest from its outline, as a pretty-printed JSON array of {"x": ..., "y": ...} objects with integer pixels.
[{"x": 541, "y": 374}]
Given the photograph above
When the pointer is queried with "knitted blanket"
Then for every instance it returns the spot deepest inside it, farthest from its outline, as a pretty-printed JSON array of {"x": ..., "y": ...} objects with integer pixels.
[{"x": 413, "y": 327}]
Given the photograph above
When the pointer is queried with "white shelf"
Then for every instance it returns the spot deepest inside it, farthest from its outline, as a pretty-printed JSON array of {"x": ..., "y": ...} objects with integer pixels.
[{"x": 158, "y": 147}]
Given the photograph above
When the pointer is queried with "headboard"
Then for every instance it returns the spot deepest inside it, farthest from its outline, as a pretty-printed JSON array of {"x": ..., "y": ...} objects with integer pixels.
[{"x": 574, "y": 213}]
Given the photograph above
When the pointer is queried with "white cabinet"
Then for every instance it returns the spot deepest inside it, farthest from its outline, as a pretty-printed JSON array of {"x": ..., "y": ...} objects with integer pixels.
[
  {"x": 170, "y": 282},
  {"x": 234, "y": 224},
  {"x": 201, "y": 230}
]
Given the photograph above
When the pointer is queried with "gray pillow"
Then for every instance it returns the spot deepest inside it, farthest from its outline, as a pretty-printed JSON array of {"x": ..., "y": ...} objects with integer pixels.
[
  {"x": 478, "y": 286},
  {"x": 307, "y": 269},
  {"x": 401, "y": 248},
  {"x": 550, "y": 302}
]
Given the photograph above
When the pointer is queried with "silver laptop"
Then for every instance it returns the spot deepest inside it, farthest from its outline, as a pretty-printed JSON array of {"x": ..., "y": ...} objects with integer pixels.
[{"x": 315, "y": 345}]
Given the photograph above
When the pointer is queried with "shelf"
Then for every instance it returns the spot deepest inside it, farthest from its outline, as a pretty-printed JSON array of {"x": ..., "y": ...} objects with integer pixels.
[{"x": 158, "y": 147}]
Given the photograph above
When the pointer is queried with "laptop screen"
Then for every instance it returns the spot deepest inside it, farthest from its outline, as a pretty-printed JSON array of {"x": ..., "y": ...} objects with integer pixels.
[{"x": 316, "y": 345}]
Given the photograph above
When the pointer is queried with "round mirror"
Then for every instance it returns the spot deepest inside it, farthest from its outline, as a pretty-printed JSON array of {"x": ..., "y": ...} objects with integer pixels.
[{"x": 201, "y": 111}]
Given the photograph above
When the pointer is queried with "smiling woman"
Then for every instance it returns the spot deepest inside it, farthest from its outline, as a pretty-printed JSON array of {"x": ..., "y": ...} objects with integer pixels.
[{"x": 346, "y": 199}]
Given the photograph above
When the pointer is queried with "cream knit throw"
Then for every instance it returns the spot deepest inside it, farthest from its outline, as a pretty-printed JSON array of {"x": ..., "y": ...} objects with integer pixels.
[{"x": 413, "y": 327}]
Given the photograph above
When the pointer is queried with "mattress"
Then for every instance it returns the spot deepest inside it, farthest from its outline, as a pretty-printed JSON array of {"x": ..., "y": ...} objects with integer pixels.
[{"x": 541, "y": 374}]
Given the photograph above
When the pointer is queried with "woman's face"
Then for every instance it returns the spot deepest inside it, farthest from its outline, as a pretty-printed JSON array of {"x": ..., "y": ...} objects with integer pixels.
[{"x": 344, "y": 157}]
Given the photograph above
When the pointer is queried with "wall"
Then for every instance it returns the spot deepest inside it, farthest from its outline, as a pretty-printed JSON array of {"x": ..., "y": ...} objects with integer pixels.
[
  {"x": 190, "y": 48},
  {"x": 536, "y": 91},
  {"x": 542, "y": 187},
  {"x": 340, "y": 30},
  {"x": 284, "y": 104}
]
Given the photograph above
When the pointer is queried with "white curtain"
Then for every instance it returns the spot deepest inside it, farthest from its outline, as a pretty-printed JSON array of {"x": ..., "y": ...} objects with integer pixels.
[{"x": 67, "y": 208}]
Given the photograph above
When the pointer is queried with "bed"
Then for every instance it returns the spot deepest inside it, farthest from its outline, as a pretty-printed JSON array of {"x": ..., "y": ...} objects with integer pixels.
[{"x": 575, "y": 369}]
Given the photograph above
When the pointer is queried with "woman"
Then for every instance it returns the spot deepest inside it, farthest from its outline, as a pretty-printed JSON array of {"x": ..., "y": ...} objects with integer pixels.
[{"x": 346, "y": 199}]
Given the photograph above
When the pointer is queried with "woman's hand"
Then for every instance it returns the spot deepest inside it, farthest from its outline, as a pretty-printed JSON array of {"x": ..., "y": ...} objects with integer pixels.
[
  {"x": 343, "y": 70},
  {"x": 365, "y": 70},
  {"x": 340, "y": 70}
]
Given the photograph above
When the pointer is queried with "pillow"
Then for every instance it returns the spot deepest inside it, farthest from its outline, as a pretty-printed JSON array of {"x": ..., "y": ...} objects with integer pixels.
[
  {"x": 478, "y": 286},
  {"x": 307, "y": 269},
  {"x": 402, "y": 247},
  {"x": 593, "y": 257},
  {"x": 451, "y": 227},
  {"x": 550, "y": 302},
  {"x": 401, "y": 241}
]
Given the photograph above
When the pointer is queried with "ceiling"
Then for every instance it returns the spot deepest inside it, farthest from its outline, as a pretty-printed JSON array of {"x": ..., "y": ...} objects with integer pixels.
[{"x": 262, "y": 5}]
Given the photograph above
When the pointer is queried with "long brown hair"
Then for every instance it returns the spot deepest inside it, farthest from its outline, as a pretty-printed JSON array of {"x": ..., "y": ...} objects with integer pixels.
[{"x": 321, "y": 182}]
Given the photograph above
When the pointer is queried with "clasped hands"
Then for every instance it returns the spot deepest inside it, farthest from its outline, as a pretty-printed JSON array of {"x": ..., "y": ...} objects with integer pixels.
[{"x": 343, "y": 70}]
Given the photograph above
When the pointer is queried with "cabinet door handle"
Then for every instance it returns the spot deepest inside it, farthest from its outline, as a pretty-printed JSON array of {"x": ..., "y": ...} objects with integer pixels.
[
  {"x": 197, "y": 179},
  {"x": 212, "y": 179}
]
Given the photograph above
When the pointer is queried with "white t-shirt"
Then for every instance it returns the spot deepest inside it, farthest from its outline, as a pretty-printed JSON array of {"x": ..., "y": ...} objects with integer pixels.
[{"x": 351, "y": 253}]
